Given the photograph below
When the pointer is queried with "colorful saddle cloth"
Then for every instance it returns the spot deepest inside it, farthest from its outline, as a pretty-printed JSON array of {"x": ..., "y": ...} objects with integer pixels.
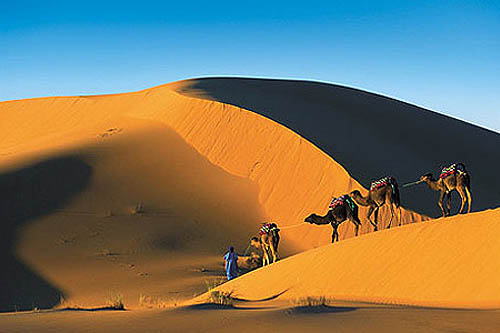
[
  {"x": 342, "y": 200},
  {"x": 381, "y": 182},
  {"x": 267, "y": 228},
  {"x": 338, "y": 201},
  {"x": 448, "y": 171}
]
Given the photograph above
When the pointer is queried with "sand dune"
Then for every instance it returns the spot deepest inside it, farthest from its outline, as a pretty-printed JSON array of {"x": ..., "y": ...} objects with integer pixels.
[
  {"x": 134, "y": 213},
  {"x": 141, "y": 193},
  {"x": 450, "y": 262},
  {"x": 368, "y": 134}
]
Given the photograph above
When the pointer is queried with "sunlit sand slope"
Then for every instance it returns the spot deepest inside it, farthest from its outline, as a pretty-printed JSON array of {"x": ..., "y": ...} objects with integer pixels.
[
  {"x": 370, "y": 135},
  {"x": 108, "y": 194},
  {"x": 294, "y": 177},
  {"x": 451, "y": 262}
]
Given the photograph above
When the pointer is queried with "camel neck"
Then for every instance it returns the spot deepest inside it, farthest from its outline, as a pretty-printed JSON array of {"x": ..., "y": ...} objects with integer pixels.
[
  {"x": 433, "y": 184},
  {"x": 323, "y": 219},
  {"x": 363, "y": 201}
]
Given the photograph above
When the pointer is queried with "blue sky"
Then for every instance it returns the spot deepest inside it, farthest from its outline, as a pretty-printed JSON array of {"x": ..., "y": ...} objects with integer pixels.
[{"x": 442, "y": 55}]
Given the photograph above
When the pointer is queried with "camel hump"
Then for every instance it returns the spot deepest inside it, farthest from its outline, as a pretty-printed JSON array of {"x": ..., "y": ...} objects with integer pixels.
[
  {"x": 268, "y": 227},
  {"x": 452, "y": 169},
  {"x": 337, "y": 201},
  {"x": 388, "y": 180}
]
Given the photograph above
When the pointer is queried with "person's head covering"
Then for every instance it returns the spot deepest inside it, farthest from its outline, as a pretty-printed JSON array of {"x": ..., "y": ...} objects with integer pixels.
[{"x": 231, "y": 249}]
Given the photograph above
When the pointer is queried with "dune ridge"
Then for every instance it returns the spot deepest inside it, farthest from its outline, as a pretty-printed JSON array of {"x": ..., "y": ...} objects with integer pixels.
[
  {"x": 370, "y": 135},
  {"x": 274, "y": 157}
]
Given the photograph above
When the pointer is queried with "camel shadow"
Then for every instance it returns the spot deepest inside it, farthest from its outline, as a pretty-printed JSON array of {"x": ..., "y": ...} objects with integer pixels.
[
  {"x": 214, "y": 306},
  {"x": 318, "y": 309},
  {"x": 26, "y": 194},
  {"x": 103, "y": 308}
]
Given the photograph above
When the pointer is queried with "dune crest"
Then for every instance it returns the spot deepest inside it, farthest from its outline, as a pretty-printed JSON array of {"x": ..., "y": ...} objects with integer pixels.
[
  {"x": 370, "y": 135},
  {"x": 294, "y": 177}
]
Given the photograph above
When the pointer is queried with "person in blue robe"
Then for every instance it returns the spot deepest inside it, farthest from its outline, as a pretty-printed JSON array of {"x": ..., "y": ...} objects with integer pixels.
[{"x": 231, "y": 266}]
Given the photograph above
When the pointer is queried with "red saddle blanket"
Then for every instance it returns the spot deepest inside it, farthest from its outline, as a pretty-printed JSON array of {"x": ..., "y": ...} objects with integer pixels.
[
  {"x": 448, "y": 171},
  {"x": 379, "y": 183},
  {"x": 337, "y": 201},
  {"x": 265, "y": 229}
]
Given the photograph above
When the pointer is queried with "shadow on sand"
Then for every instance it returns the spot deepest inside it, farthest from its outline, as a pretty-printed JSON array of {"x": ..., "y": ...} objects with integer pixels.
[
  {"x": 214, "y": 306},
  {"x": 270, "y": 298},
  {"x": 103, "y": 308},
  {"x": 25, "y": 195},
  {"x": 370, "y": 135},
  {"x": 319, "y": 309}
]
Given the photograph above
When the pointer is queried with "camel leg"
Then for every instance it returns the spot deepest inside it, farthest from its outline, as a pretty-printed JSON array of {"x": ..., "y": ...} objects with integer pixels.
[
  {"x": 370, "y": 211},
  {"x": 273, "y": 253},
  {"x": 392, "y": 215},
  {"x": 399, "y": 216},
  {"x": 357, "y": 223},
  {"x": 440, "y": 203},
  {"x": 265, "y": 260},
  {"x": 375, "y": 217},
  {"x": 448, "y": 203},
  {"x": 469, "y": 197},
  {"x": 388, "y": 199},
  {"x": 461, "y": 191},
  {"x": 334, "y": 233}
]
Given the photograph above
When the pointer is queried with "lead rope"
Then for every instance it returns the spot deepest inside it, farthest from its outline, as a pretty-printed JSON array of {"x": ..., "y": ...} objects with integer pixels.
[
  {"x": 248, "y": 248},
  {"x": 292, "y": 226}
]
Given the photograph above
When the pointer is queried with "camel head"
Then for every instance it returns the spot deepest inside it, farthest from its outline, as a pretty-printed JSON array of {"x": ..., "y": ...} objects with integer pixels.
[
  {"x": 355, "y": 193},
  {"x": 427, "y": 177},
  {"x": 274, "y": 226},
  {"x": 255, "y": 242}
]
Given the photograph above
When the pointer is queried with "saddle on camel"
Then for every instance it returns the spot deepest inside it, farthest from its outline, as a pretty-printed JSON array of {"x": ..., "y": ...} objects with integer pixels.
[
  {"x": 268, "y": 241},
  {"x": 340, "y": 209},
  {"x": 382, "y": 191},
  {"x": 452, "y": 178}
]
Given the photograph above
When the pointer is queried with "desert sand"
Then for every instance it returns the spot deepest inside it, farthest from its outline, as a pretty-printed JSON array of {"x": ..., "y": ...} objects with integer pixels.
[
  {"x": 368, "y": 134},
  {"x": 438, "y": 263},
  {"x": 139, "y": 195}
]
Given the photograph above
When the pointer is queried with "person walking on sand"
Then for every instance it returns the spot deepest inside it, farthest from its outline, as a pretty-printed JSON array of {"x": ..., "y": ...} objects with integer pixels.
[{"x": 231, "y": 259}]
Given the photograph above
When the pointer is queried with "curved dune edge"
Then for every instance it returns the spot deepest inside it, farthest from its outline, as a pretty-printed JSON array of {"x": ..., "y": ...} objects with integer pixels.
[
  {"x": 368, "y": 134},
  {"x": 295, "y": 178},
  {"x": 450, "y": 262}
]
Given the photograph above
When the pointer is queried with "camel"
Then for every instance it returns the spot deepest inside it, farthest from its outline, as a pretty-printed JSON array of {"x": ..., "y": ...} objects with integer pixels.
[
  {"x": 341, "y": 209},
  {"x": 268, "y": 241},
  {"x": 452, "y": 178},
  {"x": 381, "y": 191}
]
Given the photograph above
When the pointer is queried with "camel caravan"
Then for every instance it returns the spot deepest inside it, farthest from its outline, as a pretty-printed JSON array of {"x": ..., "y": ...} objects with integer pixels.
[
  {"x": 386, "y": 190},
  {"x": 382, "y": 192}
]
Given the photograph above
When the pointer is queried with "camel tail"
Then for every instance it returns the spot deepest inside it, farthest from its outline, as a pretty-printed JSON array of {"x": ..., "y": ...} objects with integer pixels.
[
  {"x": 467, "y": 191},
  {"x": 469, "y": 198}
]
